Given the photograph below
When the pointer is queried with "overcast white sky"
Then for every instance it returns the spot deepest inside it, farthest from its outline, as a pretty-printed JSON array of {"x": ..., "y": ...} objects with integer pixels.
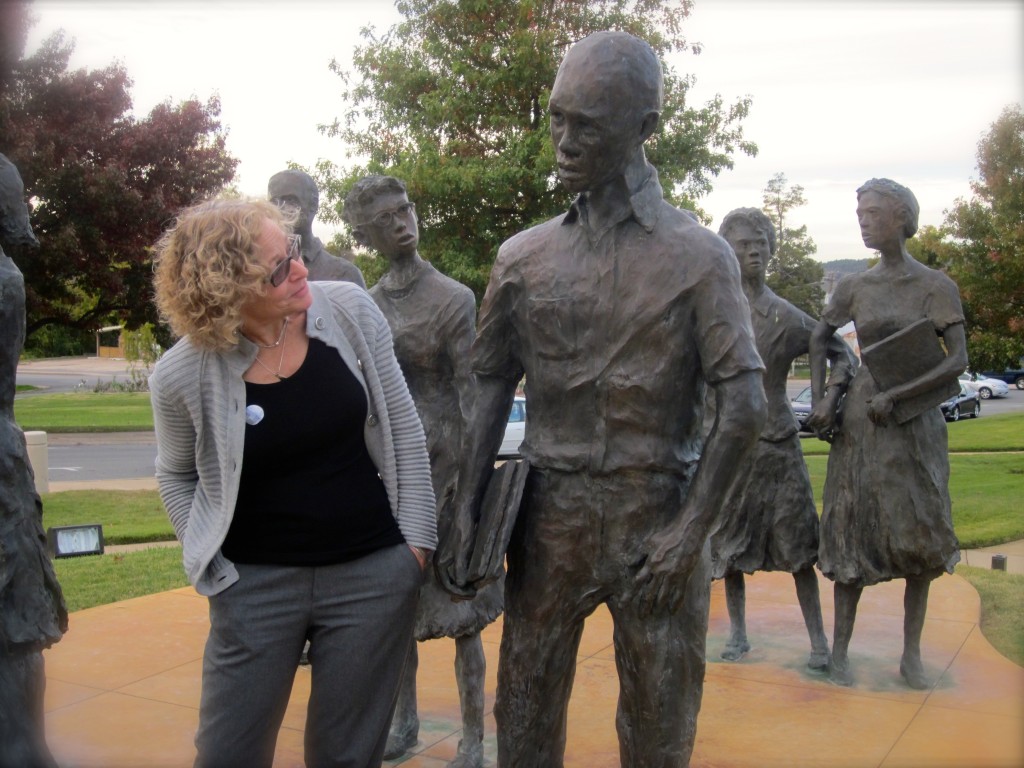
[{"x": 843, "y": 90}]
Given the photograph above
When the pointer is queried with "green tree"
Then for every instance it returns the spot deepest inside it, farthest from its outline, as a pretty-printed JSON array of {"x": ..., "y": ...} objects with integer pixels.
[
  {"x": 792, "y": 273},
  {"x": 102, "y": 184},
  {"x": 453, "y": 101},
  {"x": 930, "y": 247},
  {"x": 987, "y": 252}
]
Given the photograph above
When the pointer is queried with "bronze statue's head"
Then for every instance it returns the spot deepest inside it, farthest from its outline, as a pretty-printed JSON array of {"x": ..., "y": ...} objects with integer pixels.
[
  {"x": 605, "y": 103},
  {"x": 751, "y": 235},
  {"x": 753, "y": 218},
  {"x": 378, "y": 211},
  {"x": 904, "y": 204},
  {"x": 296, "y": 189},
  {"x": 15, "y": 229}
]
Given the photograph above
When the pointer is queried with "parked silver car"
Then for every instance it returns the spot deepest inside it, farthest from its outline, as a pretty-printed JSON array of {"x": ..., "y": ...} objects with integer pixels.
[{"x": 985, "y": 387}]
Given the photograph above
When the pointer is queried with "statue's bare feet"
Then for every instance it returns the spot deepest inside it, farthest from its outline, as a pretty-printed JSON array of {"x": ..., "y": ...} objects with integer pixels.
[
  {"x": 735, "y": 649},
  {"x": 468, "y": 756},
  {"x": 913, "y": 672},
  {"x": 839, "y": 671},
  {"x": 818, "y": 659}
]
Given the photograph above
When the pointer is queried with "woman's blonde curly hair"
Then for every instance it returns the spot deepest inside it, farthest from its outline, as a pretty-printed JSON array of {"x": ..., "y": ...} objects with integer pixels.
[{"x": 207, "y": 267}]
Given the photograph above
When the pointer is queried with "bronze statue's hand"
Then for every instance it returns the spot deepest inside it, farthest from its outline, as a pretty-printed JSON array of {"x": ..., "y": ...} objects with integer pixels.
[
  {"x": 823, "y": 417},
  {"x": 451, "y": 563},
  {"x": 660, "y": 584},
  {"x": 880, "y": 408}
]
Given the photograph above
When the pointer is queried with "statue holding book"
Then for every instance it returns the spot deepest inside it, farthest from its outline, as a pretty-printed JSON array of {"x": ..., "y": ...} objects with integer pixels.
[{"x": 886, "y": 501}]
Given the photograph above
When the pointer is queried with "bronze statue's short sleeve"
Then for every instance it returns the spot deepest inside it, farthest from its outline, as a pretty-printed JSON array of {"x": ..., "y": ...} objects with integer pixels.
[
  {"x": 839, "y": 310},
  {"x": 943, "y": 305},
  {"x": 723, "y": 331},
  {"x": 495, "y": 350}
]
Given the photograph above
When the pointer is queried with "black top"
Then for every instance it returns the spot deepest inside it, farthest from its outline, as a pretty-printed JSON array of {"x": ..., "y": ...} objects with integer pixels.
[{"x": 309, "y": 493}]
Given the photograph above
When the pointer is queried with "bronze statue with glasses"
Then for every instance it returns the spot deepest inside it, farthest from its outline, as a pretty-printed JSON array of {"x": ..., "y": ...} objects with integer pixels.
[
  {"x": 297, "y": 191},
  {"x": 432, "y": 318}
]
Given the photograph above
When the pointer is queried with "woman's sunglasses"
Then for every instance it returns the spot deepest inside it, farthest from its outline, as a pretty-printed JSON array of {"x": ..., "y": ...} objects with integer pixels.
[{"x": 281, "y": 271}]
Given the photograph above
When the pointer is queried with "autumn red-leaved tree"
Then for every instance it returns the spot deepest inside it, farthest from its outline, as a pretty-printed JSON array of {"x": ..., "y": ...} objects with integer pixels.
[{"x": 101, "y": 183}]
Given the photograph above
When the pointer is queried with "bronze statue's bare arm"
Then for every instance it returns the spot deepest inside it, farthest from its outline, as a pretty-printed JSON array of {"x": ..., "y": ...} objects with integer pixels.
[
  {"x": 842, "y": 362},
  {"x": 825, "y": 402},
  {"x": 486, "y": 411},
  {"x": 674, "y": 552}
]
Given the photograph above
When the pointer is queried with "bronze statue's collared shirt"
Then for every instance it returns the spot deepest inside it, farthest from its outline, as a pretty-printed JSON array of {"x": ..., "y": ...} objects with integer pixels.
[{"x": 616, "y": 332}]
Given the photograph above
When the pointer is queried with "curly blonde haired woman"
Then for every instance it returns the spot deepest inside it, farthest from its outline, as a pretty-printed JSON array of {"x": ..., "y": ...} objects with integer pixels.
[{"x": 294, "y": 470}]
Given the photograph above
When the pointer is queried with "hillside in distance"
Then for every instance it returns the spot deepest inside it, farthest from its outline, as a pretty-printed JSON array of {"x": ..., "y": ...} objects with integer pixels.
[{"x": 845, "y": 266}]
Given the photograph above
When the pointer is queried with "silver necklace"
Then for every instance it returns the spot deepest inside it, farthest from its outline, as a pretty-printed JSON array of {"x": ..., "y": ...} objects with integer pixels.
[
  {"x": 279, "y": 338},
  {"x": 280, "y": 361}
]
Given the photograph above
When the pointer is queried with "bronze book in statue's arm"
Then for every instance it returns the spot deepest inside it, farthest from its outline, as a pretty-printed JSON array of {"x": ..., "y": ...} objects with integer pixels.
[
  {"x": 498, "y": 514},
  {"x": 904, "y": 356}
]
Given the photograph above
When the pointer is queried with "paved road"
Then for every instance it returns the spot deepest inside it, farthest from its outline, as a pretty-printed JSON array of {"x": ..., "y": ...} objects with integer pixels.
[
  {"x": 81, "y": 458},
  {"x": 63, "y": 374}
]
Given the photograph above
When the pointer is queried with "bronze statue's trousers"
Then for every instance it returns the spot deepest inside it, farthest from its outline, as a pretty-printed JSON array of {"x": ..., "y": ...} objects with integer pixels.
[{"x": 576, "y": 545}]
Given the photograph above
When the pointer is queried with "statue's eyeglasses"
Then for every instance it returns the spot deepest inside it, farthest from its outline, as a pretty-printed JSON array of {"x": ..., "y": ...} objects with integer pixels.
[
  {"x": 281, "y": 271},
  {"x": 387, "y": 218}
]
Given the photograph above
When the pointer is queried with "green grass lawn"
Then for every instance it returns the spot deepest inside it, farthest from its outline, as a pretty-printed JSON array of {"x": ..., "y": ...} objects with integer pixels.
[
  {"x": 85, "y": 412},
  {"x": 986, "y": 491},
  {"x": 1002, "y": 609},
  {"x": 100, "y": 579},
  {"x": 127, "y": 517},
  {"x": 1004, "y": 432}
]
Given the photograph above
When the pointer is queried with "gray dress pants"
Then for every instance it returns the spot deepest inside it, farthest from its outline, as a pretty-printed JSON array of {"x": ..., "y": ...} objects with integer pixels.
[{"x": 359, "y": 619}]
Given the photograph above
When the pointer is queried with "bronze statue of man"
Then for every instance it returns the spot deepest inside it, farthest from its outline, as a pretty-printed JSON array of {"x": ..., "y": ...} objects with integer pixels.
[
  {"x": 33, "y": 615},
  {"x": 297, "y": 190},
  {"x": 619, "y": 313},
  {"x": 769, "y": 522},
  {"x": 433, "y": 322}
]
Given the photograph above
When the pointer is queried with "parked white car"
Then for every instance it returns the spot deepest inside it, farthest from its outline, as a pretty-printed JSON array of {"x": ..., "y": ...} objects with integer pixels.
[
  {"x": 515, "y": 430},
  {"x": 984, "y": 386}
]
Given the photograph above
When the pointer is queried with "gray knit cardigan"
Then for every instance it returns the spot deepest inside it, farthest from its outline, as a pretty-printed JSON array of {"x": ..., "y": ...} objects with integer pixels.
[{"x": 199, "y": 415}]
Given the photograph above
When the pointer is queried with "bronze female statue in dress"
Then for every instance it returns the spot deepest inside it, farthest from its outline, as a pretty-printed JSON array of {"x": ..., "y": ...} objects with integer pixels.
[
  {"x": 886, "y": 502},
  {"x": 769, "y": 521},
  {"x": 433, "y": 322}
]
